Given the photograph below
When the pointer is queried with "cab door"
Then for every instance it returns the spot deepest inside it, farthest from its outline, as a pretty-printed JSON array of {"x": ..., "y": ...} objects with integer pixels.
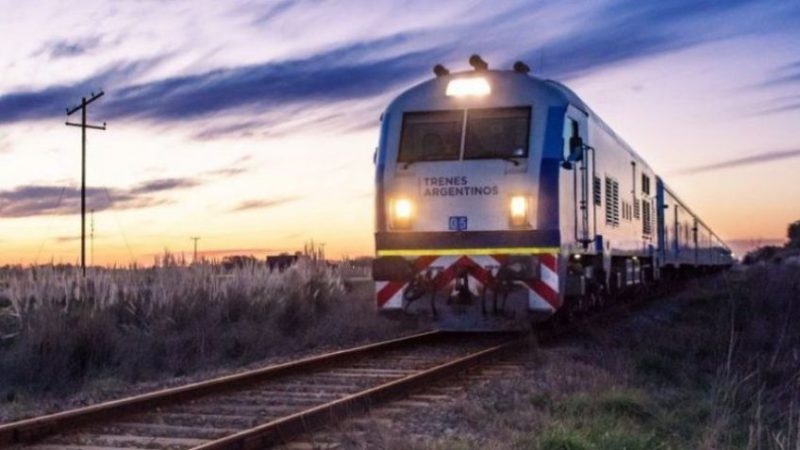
[{"x": 578, "y": 153}]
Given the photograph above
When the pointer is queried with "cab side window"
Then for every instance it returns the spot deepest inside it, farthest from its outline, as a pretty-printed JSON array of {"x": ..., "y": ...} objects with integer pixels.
[{"x": 571, "y": 130}]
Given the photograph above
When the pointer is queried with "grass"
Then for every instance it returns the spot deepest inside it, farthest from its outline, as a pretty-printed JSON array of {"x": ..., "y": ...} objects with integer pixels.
[
  {"x": 723, "y": 375},
  {"x": 617, "y": 419},
  {"x": 137, "y": 324},
  {"x": 721, "y": 371},
  {"x": 717, "y": 367}
]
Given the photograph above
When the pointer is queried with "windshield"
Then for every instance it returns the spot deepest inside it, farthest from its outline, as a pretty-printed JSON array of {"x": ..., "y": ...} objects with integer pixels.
[
  {"x": 497, "y": 133},
  {"x": 431, "y": 136}
]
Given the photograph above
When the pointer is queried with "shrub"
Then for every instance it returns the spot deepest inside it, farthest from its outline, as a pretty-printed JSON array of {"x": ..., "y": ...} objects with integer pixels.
[
  {"x": 136, "y": 323},
  {"x": 756, "y": 390}
]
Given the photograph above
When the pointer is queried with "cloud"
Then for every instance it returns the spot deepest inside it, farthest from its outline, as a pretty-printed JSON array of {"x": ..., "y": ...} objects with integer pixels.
[
  {"x": 38, "y": 200},
  {"x": 263, "y": 203},
  {"x": 242, "y": 129},
  {"x": 51, "y": 102},
  {"x": 595, "y": 37},
  {"x": 238, "y": 167},
  {"x": 343, "y": 73},
  {"x": 631, "y": 30},
  {"x": 779, "y": 109},
  {"x": 739, "y": 162},
  {"x": 274, "y": 11},
  {"x": 787, "y": 74},
  {"x": 165, "y": 184},
  {"x": 69, "y": 48}
]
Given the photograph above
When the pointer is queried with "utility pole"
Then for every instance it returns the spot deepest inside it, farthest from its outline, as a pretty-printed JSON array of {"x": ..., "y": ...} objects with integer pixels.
[
  {"x": 82, "y": 108},
  {"x": 195, "y": 239}
]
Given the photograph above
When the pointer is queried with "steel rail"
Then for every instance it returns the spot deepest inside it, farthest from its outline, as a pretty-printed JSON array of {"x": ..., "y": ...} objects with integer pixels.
[
  {"x": 280, "y": 430},
  {"x": 28, "y": 430}
]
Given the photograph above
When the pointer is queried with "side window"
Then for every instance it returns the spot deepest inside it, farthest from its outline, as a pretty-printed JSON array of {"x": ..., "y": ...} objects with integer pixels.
[
  {"x": 570, "y": 130},
  {"x": 645, "y": 184},
  {"x": 612, "y": 202}
]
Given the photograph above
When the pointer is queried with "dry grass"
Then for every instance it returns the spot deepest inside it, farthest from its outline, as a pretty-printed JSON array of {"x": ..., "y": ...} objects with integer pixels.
[
  {"x": 714, "y": 367},
  {"x": 757, "y": 387},
  {"x": 147, "y": 323}
]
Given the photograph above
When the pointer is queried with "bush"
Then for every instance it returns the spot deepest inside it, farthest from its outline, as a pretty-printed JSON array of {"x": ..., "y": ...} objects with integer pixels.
[
  {"x": 140, "y": 323},
  {"x": 757, "y": 395}
]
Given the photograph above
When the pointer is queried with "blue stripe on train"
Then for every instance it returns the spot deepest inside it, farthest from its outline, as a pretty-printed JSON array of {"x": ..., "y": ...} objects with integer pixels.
[
  {"x": 380, "y": 167},
  {"x": 548, "y": 215}
]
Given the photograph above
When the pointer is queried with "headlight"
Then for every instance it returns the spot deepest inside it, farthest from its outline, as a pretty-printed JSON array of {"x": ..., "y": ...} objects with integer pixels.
[
  {"x": 463, "y": 87},
  {"x": 518, "y": 211},
  {"x": 402, "y": 211}
]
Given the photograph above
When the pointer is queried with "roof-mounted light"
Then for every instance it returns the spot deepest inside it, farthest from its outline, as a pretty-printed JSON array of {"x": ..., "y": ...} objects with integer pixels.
[
  {"x": 465, "y": 87},
  {"x": 440, "y": 70},
  {"x": 478, "y": 63}
]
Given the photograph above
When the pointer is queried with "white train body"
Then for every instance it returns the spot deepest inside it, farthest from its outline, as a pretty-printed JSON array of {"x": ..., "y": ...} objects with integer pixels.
[{"x": 494, "y": 182}]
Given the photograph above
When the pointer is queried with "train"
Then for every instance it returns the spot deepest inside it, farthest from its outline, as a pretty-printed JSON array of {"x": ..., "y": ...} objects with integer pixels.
[{"x": 501, "y": 197}]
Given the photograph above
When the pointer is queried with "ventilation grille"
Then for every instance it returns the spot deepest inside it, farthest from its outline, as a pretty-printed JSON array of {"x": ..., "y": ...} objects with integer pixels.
[
  {"x": 597, "y": 187},
  {"x": 612, "y": 202},
  {"x": 647, "y": 225}
]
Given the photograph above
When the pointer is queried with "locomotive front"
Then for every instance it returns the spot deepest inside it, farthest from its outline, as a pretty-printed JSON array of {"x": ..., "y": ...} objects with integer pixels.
[{"x": 466, "y": 200}]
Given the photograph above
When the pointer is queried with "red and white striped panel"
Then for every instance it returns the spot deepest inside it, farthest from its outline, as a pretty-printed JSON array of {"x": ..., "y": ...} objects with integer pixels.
[{"x": 542, "y": 294}]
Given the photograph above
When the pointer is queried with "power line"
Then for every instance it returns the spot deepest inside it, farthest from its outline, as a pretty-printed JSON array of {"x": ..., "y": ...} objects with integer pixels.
[
  {"x": 83, "y": 125},
  {"x": 119, "y": 225},
  {"x": 49, "y": 224}
]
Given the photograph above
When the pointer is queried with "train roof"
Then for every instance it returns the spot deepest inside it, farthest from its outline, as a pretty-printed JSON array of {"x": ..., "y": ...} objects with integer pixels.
[
  {"x": 518, "y": 80},
  {"x": 574, "y": 99}
]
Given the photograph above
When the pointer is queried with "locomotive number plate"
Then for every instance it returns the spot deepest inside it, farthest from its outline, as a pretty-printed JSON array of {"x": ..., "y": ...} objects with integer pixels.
[{"x": 458, "y": 223}]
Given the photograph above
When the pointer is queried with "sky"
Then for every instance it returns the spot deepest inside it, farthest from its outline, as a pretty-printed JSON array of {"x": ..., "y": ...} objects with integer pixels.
[{"x": 252, "y": 124}]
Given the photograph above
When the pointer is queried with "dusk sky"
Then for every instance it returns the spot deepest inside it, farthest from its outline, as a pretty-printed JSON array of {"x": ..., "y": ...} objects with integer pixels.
[{"x": 252, "y": 124}]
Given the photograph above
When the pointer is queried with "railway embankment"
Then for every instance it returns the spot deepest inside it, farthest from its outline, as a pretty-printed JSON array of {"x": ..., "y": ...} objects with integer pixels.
[{"x": 713, "y": 367}]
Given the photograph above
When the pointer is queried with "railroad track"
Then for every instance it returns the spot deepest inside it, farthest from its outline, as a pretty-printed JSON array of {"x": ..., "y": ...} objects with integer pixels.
[{"x": 262, "y": 407}]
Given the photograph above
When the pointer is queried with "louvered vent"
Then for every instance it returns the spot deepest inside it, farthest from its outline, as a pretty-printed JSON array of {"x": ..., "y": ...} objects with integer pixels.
[
  {"x": 597, "y": 187},
  {"x": 612, "y": 202},
  {"x": 647, "y": 226}
]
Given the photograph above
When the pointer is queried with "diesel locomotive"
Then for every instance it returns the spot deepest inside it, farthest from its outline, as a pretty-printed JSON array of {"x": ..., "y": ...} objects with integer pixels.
[{"x": 502, "y": 196}]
